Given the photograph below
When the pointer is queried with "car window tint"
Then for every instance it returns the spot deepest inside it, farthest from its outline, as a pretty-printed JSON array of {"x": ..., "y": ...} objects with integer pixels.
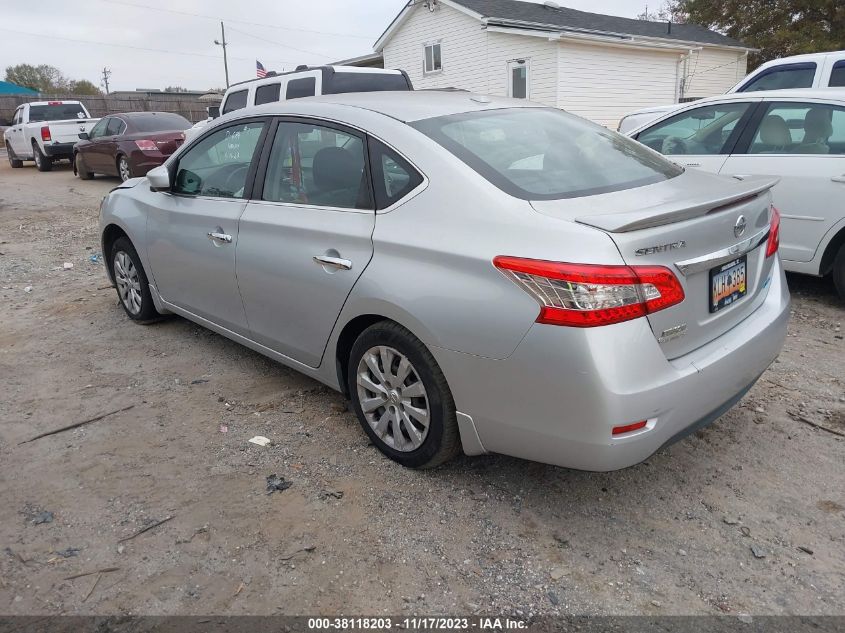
[
  {"x": 56, "y": 112},
  {"x": 700, "y": 131},
  {"x": 218, "y": 164},
  {"x": 782, "y": 78},
  {"x": 837, "y": 75},
  {"x": 100, "y": 128},
  {"x": 393, "y": 176},
  {"x": 159, "y": 121},
  {"x": 114, "y": 127},
  {"x": 800, "y": 128},
  {"x": 235, "y": 101},
  {"x": 267, "y": 93},
  {"x": 546, "y": 154},
  {"x": 304, "y": 87},
  {"x": 365, "y": 82},
  {"x": 311, "y": 164}
]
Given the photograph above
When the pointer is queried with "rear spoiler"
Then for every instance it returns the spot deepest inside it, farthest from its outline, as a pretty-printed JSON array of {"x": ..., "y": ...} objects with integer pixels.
[{"x": 680, "y": 210}]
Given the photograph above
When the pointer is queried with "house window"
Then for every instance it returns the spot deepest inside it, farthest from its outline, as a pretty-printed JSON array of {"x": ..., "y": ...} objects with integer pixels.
[
  {"x": 518, "y": 79},
  {"x": 433, "y": 62}
]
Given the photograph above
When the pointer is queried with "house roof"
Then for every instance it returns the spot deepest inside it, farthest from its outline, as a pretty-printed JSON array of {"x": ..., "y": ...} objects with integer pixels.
[
  {"x": 563, "y": 17},
  {"x": 544, "y": 17},
  {"x": 8, "y": 88}
]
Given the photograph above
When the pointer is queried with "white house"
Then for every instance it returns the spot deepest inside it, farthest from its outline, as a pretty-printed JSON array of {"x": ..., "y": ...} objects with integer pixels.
[{"x": 597, "y": 66}]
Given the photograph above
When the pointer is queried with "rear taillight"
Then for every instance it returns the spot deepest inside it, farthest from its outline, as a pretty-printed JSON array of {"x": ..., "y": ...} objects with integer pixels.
[
  {"x": 45, "y": 133},
  {"x": 146, "y": 146},
  {"x": 774, "y": 233},
  {"x": 588, "y": 295}
]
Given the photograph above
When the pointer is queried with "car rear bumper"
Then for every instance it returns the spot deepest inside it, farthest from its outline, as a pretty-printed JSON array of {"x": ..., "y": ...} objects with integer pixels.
[
  {"x": 142, "y": 162},
  {"x": 557, "y": 398},
  {"x": 57, "y": 150}
]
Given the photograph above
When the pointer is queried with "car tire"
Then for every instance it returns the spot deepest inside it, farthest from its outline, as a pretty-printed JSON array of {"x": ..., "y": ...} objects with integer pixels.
[
  {"x": 124, "y": 170},
  {"x": 133, "y": 289},
  {"x": 839, "y": 272},
  {"x": 14, "y": 161},
  {"x": 393, "y": 379},
  {"x": 42, "y": 162},
  {"x": 81, "y": 169}
]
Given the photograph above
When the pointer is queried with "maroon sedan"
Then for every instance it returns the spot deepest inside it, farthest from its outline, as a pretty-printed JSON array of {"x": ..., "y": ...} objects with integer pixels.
[{"x": 128, "y": 145}]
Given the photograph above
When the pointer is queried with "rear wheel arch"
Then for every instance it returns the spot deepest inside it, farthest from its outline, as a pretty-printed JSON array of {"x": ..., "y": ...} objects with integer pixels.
[
  {"x": 831, "y": 251},
  {"x": 348, "y": 335}
]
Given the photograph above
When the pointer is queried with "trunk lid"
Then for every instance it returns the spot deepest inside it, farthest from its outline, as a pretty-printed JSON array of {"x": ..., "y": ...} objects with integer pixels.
[
  {"x": 166, "y": 142},
  {"x": 689, "y": 225}
]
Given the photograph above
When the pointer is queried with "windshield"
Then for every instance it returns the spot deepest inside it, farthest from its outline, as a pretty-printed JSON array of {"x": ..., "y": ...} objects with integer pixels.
[
  {"x": 57, "y": 112},
  {"x": 159, "y": 122},
  {"x": 546, "y": 154}
]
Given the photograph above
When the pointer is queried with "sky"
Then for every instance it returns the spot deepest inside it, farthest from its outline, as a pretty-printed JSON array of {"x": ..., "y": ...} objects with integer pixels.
[{"x": 153, "y": 44}]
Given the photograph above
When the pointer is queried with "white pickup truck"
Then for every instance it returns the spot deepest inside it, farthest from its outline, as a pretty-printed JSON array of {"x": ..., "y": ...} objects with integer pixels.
[{"x": 44, "y": 131}]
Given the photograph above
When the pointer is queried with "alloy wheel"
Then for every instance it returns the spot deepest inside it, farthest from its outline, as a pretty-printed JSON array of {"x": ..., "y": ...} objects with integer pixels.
[
  {"x": 123, "y": 168},
  {"x": 393, "y": 398},
  {"x": 128, "y": 282},
  {"x": 37, "y": 157}
]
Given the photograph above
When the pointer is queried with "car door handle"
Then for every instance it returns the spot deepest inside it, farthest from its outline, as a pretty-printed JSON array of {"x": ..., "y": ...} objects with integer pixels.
[
  {"x": 334, "y": 262},
  {"x": 220, "y": 237},
  {"x": 838, "y": 178},
  {"x": 741, "y": 176}
]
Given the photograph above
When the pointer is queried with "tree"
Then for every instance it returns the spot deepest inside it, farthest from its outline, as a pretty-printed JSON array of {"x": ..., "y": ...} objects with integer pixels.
[
  {"x": 175, "y": 89},
  {"x": 668, "y": 11},
  {"x": 83, "y": 87},
  {"x": 777, "y": 27},
  {"x": 42, "y": 78}
]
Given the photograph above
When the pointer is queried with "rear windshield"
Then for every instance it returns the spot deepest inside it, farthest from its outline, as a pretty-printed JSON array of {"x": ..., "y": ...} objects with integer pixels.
[
  {"x": 58, "y": 112},
  {"x": 366, "y": 82},
  {"x": 547, "y": 154},
  {"x": 159, "y": 122}
]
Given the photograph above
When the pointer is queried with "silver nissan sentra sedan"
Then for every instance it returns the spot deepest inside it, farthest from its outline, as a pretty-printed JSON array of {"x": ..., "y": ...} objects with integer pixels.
[{"x": 473, "y": 273}]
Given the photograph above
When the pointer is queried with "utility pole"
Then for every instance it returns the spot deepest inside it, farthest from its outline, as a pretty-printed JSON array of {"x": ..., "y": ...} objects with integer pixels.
[
  {"x": 106, "y": 75},
  {"x": 223, "y": 44}
]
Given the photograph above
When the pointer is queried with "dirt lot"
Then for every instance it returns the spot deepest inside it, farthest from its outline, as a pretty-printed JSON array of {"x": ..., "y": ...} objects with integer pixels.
[{"x": 355, "y": 533}]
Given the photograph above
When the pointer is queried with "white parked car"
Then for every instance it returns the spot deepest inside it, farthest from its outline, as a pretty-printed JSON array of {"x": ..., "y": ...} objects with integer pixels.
[
  {"x": 305, "y": 81},
  {"x": 44, "y": 131},
  {"x": 815, "y": 70},
  {"x": 796, "y": 135}
]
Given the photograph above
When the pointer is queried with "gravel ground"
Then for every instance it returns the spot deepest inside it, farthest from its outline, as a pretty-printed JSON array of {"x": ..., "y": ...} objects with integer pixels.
[{"x": 747, "y": 516}]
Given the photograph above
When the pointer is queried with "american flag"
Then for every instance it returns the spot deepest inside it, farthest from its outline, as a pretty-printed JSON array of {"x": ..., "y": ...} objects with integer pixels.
[{"x": 260, "y": 72}]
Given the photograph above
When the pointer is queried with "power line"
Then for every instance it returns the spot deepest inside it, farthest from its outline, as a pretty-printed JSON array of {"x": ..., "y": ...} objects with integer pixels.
[
  {"x": 137, "y": 48},
  {"x": 264, "y": 39},
  {"x": 217, "y": 18}
]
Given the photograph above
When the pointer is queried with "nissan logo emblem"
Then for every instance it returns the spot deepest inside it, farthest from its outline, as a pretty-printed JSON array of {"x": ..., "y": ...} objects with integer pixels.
[{"x": 739, "y": 227}]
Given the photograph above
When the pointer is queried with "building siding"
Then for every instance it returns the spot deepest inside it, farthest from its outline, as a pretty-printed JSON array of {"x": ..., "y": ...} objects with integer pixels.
[
  {"x": 604, "y": 83},
  {"x": 713, "y": 71},
  {"x": 542, "y": 58}
]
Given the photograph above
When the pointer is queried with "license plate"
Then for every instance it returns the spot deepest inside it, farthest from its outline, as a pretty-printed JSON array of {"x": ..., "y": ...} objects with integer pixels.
[{"x": 727, "y": 284}]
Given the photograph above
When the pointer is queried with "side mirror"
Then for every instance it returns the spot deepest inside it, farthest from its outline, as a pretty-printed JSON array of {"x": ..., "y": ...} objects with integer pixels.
[
  {"x": 159, "y": 178},
  {"x": 213, "y": 111},
  {"x": 84, "y": 136}
]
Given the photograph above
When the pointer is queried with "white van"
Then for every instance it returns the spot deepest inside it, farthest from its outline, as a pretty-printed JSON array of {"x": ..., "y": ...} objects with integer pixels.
[
  {"x": 305, "y": 81},
  {"x": 813, "y": 70}
]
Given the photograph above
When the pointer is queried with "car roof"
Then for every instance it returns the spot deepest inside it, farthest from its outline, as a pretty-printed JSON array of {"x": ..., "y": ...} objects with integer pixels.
[
  {"x": 802, "y": 57},
  {"x": 404, "y": 105}
]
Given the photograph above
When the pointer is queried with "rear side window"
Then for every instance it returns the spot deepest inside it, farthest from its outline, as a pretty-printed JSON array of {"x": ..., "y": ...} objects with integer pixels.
[
  {"x": 305, "y": 87},
  {"x": 837, "y": 75},
  {"x": 783, "y": 77},
  {"x": 547, "y": 154},
  {"x": 393, "y": 176},
  {"x": 267, "y": 94},
  {"x": 365, "y": 82},
  {"x": 235, "y": 101},
  {"x": 800, "y": 128}
]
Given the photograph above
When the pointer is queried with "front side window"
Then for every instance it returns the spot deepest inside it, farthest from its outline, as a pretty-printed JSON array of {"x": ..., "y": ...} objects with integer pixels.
[
  {"x": 99, "y": 129},
  {"x": 18, "y": 116},
  {"x": 304, "y": 87},
  {"x": 218, "y": 165},
  {"x": 268, "y": 93},
  {"x": 235, "y": 101},
  {"x": 837, "y": 75},
  {"x": 433, "y": 61},
  {"x": 783, "y": 77},
  {"x": 800, "y": 128},
  {"x": 546, "y": 154},
  {"x": 393, "y": 176},
  {"x": 701, "y": 131},
  {"x": 316, "y": 165}
]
